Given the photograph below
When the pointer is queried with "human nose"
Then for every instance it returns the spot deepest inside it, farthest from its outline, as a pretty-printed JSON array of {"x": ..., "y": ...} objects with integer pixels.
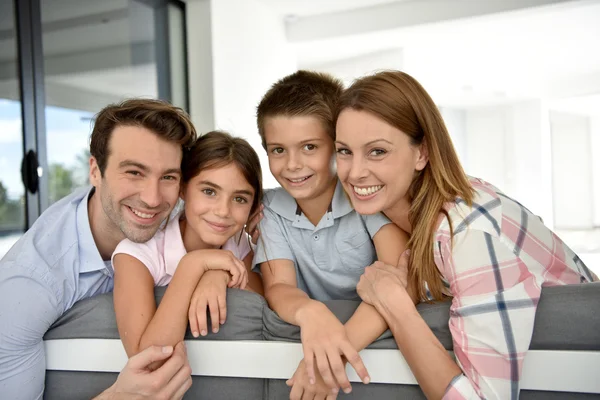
[
  {"x": 151, "y": 195},
  {"x": 358, "y": 169},
  {"x": 293, "y": 162},
  {"x": 222, "y": 208}
]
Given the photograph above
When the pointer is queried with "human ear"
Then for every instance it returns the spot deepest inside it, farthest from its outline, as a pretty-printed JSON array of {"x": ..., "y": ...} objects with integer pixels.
[
  {"x": 422, "y": 156},
  {"x": 95, "y": 175}
]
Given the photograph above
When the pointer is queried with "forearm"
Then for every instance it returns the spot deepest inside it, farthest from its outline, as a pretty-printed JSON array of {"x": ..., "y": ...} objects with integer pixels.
[
  {"x": 287, "y": 301},
  {"x": 365, "y": 325},
  {"x": 169, "y": 323},
  {"x": 429, "y": 361}
]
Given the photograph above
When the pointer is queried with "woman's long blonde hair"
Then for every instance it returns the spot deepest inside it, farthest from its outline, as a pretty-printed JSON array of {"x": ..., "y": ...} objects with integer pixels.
[{"x": 399, "y": 100}]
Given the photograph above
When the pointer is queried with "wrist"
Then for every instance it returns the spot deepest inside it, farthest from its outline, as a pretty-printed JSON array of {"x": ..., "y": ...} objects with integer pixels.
[
  {"x": 305, "y": 312},
  {"x": 397, "y": 299}
]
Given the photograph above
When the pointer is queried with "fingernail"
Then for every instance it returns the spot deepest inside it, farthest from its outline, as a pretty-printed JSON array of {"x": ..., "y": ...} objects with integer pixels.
[
  {"x": 167, "y": 349},
  {"x": 215, "y": 330},
  {"x": 407, "y": 252},
  {"x": 195, "y": 334},
  {"x": 203, "y": 333},
  {"x": 367, "y": 380},
  {"x": 347, "y": 390},
  {"x": 335, "y": 390}
]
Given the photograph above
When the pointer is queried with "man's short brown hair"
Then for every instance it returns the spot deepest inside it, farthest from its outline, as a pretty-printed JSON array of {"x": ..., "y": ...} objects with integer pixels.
[
  {"x": 303, "y": 93},
  {"x": 163, "y": 119}
]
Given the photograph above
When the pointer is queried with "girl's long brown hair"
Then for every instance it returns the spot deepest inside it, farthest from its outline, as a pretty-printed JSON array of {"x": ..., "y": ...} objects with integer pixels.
[{"x": 399, "y": 100}]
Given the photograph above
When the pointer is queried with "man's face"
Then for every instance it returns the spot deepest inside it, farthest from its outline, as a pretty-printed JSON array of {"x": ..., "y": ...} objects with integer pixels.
[{"x": 141, "y": 181}]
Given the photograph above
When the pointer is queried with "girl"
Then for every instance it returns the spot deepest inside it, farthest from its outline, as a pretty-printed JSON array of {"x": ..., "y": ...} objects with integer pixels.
[
  {"x": 467, "y": 240},
  {"x": 198, "y": 254}
]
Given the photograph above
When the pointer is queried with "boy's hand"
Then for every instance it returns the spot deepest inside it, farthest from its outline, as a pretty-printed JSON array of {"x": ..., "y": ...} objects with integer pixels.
[
  {"x": 210, "y": 293},
  {"x": 303, "y": 389},
  {"x": 252, "y": 224},
  {"x": 324, "y": 342}
]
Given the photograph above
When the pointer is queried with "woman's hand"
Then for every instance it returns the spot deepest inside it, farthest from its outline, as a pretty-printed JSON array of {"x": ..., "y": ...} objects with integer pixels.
[
  {"x": 216, "y": 259},
  {"x": 325, "y": 342},
  {"x": 210, "y": 293},
  {"x": 303, "y": 389}
]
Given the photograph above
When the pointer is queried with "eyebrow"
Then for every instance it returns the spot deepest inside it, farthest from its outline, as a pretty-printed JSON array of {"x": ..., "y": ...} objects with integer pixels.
[
  {"x": 302, "y": 142},
  {"x": 214, "y": 185},
  {"x": 369, "y": 143},
  {"x": 145, "y": 168}
]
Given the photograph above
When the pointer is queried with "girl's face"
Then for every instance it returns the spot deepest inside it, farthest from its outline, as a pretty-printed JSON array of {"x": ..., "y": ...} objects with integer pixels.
[
  {"x": 376, "y": 162},
  {"x": 217, "y": 204}
]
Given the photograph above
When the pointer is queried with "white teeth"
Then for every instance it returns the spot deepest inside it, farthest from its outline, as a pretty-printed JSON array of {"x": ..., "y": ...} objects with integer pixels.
[
  {"x": 141, "y": 214},
  {"x": 299, "y": 180},
  {"x": 366, "y": 191}
]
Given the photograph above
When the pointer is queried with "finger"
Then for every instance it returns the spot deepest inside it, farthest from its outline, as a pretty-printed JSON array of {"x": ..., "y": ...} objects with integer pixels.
[
  {"x": 331, "y": 397},
  {"x": 222, "y": 300},
  {"x": 179, "y": 381},
  {"x": 356, "y": 361},
  {"x": 213, "y": 307},
  {"x": 339, "y": 371},
  {"x": 296, "y": 392},
  {"x": 309, "y": 361},
  {"x": 290, "y": 382},
  {"x": 320, "y": 396},
  {"x": 167, "y": 375},
  {"x": 148, "y": 356},
  {"x": 193, "y": 319},
  {"x": 201, "y": 316},
  {"x": 255, "y": 235},
  {"x": 325, "y": 370},
  {"x": 309, "y": 394}
]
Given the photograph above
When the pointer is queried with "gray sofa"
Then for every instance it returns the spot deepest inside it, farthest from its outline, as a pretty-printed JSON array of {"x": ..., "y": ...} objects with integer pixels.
[{"x": 567, "y": 319}]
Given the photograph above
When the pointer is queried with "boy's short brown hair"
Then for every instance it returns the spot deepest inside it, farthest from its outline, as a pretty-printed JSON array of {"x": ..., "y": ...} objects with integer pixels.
[
  {"x": 303, "y": 93},
  {"x": 163, "y": 119}
]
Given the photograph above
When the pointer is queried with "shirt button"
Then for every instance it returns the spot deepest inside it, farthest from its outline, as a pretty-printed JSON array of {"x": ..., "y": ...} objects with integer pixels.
[{"x": 316, "y": 237}]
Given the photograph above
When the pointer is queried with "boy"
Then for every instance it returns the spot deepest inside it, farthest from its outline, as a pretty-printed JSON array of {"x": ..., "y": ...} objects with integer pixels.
[{"x": 314, "y": 246}]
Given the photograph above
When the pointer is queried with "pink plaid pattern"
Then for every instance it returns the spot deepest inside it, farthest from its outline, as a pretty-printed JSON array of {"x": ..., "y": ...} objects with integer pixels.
[{"x": 500, "y": 258}]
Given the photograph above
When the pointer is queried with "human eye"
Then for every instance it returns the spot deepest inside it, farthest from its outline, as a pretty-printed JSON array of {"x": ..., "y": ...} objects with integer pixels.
[
  {"x": 277, "y": 150},
  {"x": 309, "y": 147},
  {"x": 343, "y": 151},
  {"x": 377, "y": 152},
  {"x": 133, "y": 172},
  {"x": 240, "y": 200},
  {"x": 169, "y": 178},
  {"x": 209, "y": 192}
]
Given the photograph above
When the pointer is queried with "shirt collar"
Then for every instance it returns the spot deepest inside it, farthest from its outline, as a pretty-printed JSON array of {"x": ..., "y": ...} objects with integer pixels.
[
  {"x": 286, "y": 206},
  {"x": 90, "y": 259}
]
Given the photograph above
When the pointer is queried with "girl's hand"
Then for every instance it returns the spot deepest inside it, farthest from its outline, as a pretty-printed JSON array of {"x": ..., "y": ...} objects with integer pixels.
[
  {"x": 217, "y": 259},
  {"x": 210, "y": 293},
  {"x": 381, "y": 280},
  {"x": 252, "y": 225},
  {"x": 325, "y": 342},
  {"x": 302, "y": 388}
]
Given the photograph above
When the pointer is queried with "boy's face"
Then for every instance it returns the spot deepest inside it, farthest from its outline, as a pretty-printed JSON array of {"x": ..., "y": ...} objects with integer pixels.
[{"x": 301, "y": 155}]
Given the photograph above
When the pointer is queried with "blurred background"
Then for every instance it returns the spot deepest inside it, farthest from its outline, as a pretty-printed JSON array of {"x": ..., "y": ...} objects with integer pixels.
[{"x": 518, "y": 83}]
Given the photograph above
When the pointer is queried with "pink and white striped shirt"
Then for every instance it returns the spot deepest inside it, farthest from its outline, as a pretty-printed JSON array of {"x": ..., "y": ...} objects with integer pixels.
[{"x": 499, "y": 258}]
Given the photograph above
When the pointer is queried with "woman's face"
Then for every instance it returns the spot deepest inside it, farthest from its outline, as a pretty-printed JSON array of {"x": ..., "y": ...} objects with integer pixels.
[{"x": 375, "y": 161}]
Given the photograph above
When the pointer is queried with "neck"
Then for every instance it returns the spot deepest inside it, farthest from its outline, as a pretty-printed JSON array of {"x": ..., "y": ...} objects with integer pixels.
[
  {"x": 398, "y": 214},
  {"x": 106, "y": 235},
  {"x": 191, "y": 240},
  {"x": 315, "y": 208}
]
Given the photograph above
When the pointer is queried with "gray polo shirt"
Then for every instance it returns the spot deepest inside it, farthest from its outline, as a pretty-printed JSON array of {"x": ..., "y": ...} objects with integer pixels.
[{"x": 329, "y": 257}]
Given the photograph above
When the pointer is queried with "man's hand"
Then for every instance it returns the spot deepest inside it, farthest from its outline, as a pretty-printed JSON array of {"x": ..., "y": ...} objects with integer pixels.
[
  {"x": 381, "y": 280},
  {"x": 136, "y": 381}
]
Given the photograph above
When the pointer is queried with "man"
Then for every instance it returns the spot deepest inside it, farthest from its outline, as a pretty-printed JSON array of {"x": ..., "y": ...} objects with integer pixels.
[{"x": 136, "y": 151}]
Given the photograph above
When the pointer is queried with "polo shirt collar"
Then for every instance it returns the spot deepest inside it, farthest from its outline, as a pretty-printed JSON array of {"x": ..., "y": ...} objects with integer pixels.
[
  {"x": 89, "y": 256},
  {"x": 286, "y": 206}
]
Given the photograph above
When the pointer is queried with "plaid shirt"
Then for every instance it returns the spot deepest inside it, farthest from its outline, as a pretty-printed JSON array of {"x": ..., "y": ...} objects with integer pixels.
[{"x": 495, "y": 264}]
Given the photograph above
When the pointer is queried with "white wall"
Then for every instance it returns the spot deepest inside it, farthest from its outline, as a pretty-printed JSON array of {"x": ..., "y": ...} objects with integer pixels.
[
  {"x": 250, "y": 53},
  {"x": 456, "y": 123},
  {"x": 595, "y": 140}
]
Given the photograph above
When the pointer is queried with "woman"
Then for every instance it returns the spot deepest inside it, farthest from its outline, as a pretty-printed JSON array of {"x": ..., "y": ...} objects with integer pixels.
[{"x": 468, "y": 241}]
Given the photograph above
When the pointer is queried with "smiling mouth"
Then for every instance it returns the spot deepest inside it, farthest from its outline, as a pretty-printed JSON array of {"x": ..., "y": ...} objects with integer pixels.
[
  {"x": 366, "y": 191},
  {"x": 218, "y": 227},
  {"x": 299, "y": 180},
  {"x": 142, "y": 214}
]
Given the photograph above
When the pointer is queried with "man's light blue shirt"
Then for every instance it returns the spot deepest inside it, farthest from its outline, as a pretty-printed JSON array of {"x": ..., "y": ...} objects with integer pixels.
[
  {"x": 60, "y": 251},
  {"x": 53, "y": 265}
]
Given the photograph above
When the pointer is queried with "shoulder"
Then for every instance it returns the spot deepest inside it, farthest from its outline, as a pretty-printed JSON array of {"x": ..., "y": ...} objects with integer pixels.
[{"x": 239, "y": 245}]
